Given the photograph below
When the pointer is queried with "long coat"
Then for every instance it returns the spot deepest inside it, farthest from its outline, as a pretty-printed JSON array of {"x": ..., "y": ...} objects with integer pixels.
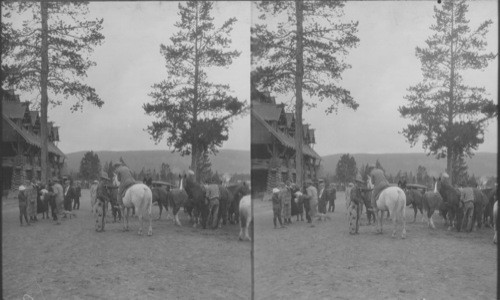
[
  {"x": 59, "y": 192},
  {"x": 312, "y": 194},
  {"x": 31, "y": 193}
]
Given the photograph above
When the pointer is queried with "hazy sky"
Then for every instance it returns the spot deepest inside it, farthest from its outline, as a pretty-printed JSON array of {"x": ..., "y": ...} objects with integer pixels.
[
  {"x": 129, "y": 63},
  {"x": 383, "y": 67}
]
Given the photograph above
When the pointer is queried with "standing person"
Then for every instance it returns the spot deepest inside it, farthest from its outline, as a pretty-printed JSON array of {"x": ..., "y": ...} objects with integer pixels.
[
  {"x": 102, "y": 199},
  {"x": 467, "y": 205},
  {"x": 354, "y": 204},
  {"x": 287, "y": 202},
  {"x": 322, "y": 197},
  {"x": 312, "y": 196},
  {"x": 31, "y": 194},
  {"x": 93, "y": 194},
  {"x": 332, "y": 196},
  {"x": 277, "y": 205},
  {"x": 213, "y": 195},
  {"x": 23, "y": 205},
  {"x": 306, "y": 201},
  {"x": 126, "y": 179},
  {"x": 68, "y": 195},
  {"x": 77, "y": 195},
  {"x": 148, "y": 180},
  {"x": 297, "y": 206},
  {"x": 58, "y": 199},
  {"x": 379, "y": 182}
]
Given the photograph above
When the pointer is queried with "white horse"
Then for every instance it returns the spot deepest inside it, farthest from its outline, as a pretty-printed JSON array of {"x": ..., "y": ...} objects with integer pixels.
[
  {"x": 393, "y": 200},
  {"x": 495, "y": 215},
  {"x": 245, "y": 210},
  {"x": 139, "y": 196}
]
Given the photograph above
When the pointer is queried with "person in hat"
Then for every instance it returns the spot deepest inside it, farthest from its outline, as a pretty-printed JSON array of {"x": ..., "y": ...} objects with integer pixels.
[
  {"x": 277, "y": 205},
  {"x": 312, "y": 201},
  {"x": 102, "y": 199},
  {"x": 126, "y": 179},
  {"x": 378, "y": 181},
  {"x": 31, "y": 194},
  {"x": 93, "y": 193},
  {"x": 354, "y": 207},
  {"x": 59, "y": 199},
  {"x": 69, "y": 194},
  {"x": 148, "y": 179},
  {"x": 23, "y": 205},
  {"x": 322, "y": 197},
  {"x": 286, "y": 196}
]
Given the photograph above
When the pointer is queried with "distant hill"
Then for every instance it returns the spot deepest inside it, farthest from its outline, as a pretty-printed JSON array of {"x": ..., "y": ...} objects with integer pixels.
[
  {"x": 481, "y": 164},
  {"x": 226, "y": 161},
  {"x": 238, "y": 161}
]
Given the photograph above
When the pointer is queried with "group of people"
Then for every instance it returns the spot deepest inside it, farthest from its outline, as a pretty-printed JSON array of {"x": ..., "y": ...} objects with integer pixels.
[
  {"x": 288, "y": 200},
  {"x": 35, "y": 198},
  {"x": 102, "y": 194}
]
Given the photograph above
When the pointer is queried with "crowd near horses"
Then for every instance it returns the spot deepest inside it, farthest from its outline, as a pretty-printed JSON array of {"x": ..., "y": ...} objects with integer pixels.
[{"x": 462, "y": 208}]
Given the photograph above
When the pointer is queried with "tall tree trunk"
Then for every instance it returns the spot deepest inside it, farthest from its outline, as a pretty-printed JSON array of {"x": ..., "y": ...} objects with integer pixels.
[
  {"x": 299, "y": 74},
  {"x": 44, "y": 96},
  {"x": 449, "y": 146},
  {"x": 194, "y": 143}
]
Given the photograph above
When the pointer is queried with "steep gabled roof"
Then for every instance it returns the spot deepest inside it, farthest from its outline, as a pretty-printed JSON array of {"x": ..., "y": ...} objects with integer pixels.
[
  {"x": 13, "y": 109},
  {"x": 267, "y": 111},
  {"x": 283, "y": 138},
  {"x": 31, "y": 138}
]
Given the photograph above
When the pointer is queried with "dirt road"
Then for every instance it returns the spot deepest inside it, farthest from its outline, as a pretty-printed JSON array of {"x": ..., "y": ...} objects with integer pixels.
[
  {"x": 326, "y": 262},
  {"x": 73, "y": 261}
]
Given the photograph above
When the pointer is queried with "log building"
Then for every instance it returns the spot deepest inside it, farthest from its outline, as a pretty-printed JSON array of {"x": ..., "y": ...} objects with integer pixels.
[
  {"x": 273, "y": 144},
  {"x": 21, "y": 143}
]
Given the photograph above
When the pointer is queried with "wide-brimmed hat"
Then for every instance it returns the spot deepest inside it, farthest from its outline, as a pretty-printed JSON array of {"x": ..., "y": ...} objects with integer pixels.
[
  {"x": 104, "y": 175},
  {"x": 22, "y": 188},
  {"x": 190, "y": 172},
  {"x": 276, "y": 190}
]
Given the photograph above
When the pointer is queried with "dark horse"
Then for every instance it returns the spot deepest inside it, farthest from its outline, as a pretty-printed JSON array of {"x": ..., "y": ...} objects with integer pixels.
[
  {"x": 197, "y": 204},
  {"x": 414, "y": 197},
  {"x": 491, "y": 194},
  {"x": 236, "y": 192},
  {"x": 451, "y": 202}
]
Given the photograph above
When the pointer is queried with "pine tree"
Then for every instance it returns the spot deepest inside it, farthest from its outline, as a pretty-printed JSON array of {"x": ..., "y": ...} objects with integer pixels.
[
  {"x": 193, "y": 113},
  {"x": 48, "y": 54},
  {"x": 90, "y": 166},
  {"x": 303, "y": 54},
  {"x": 449, "y": 115}
]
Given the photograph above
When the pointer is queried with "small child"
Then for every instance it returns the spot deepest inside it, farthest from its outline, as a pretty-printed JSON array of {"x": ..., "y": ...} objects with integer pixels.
[
  {"x": 23, "y": 205},
  {"x": 277, "y": 207}
]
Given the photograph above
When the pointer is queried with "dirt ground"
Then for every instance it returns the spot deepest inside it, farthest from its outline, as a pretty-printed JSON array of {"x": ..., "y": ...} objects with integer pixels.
[
  {"x": 73, "y": 261},
  {"x": 326, "y": 262}
]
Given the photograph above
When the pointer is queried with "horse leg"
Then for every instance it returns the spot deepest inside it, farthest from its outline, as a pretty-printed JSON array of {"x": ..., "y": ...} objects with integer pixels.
[
  {"x": 415, "y": 215},
  {"x": 176, "y": 216},
  {"x": 394, "y": 223},
  {"x": 127, "y": 219},
  {"x": 431, "y": 221},
  {"x": 161, "y": 209},
  {"x": 246, "y": 229},
  {"x": 403, "y": 219},
  {"x": 141, "y": 222}
]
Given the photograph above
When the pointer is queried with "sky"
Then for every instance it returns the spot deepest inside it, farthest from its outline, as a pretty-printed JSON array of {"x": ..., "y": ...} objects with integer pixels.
[
  {"x": 384, "y": 65},
  {"x": 129, "y": 63}
]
